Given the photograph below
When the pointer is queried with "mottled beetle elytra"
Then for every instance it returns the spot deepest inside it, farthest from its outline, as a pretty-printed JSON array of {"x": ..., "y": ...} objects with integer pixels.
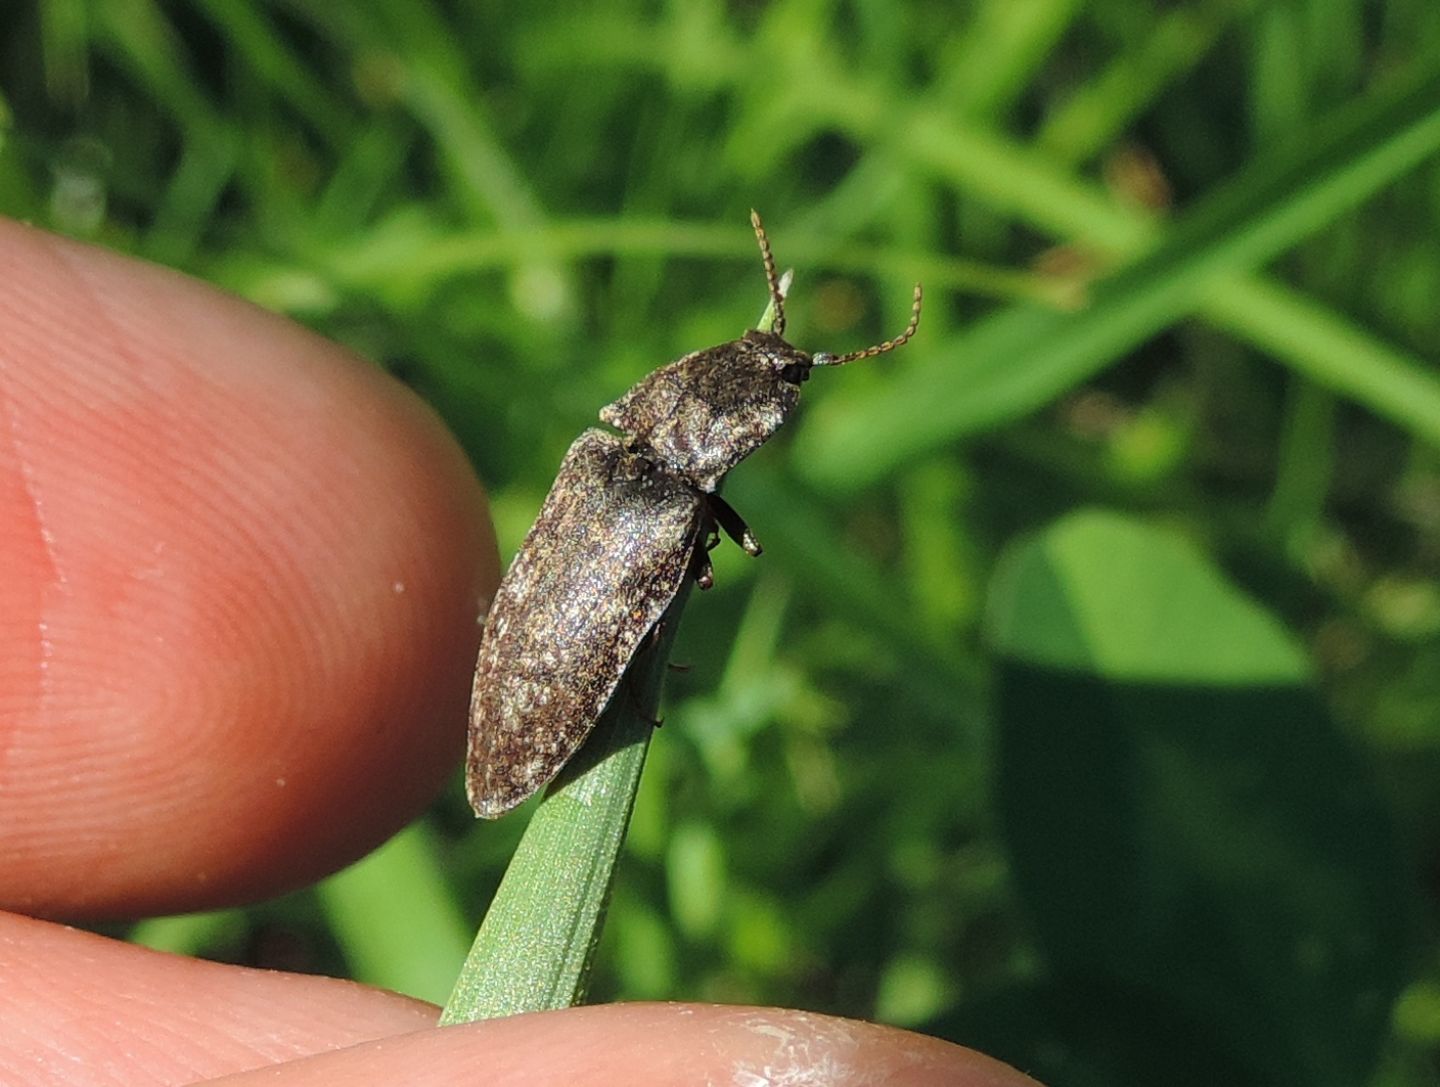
[{"x": 629, "y": 517}]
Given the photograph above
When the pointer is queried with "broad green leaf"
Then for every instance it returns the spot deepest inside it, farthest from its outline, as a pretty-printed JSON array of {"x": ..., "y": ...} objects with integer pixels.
[
  {"x": 1187, "y": 828},
  {"x": 1101, "y": 594}
]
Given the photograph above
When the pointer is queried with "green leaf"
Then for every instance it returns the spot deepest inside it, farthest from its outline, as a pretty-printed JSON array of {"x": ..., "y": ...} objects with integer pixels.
[
  {"x": 1099, "y": 593},
  {"x": 1187, "y": 828}
]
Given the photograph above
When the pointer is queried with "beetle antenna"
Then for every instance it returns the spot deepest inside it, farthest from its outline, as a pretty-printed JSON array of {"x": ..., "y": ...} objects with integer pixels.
[
  {"x": 879, "y": 348},
  {"x": 777, "y": 296}
]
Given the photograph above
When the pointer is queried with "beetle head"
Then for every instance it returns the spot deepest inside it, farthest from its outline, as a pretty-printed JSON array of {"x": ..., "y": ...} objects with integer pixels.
[{"x": 706, "y": 412}]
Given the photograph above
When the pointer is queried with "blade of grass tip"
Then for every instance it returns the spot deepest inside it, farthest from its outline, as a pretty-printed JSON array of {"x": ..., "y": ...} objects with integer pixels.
[{"x": 534, "y": 949}]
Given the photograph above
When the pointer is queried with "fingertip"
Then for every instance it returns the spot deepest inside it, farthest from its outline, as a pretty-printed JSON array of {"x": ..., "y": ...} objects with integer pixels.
[
  {"x": 659, "y": 1045},
  {"x": 236, "y": 654}
]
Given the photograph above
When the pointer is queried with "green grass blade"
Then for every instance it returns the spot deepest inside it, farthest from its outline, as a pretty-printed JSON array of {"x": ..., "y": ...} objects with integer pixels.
[
  {"x": 533, "y": 950},
  {"x": 997, "y": 56},
  {"x": 1022, "y": 358},
  {"x": 1181, "y": 39},
  {"x": 64, "y": 27},
  {"x": 376, "y": 263},
  {"x": 1332, "y": 351},
  {"x": 254, "y": 40},
  {"x": 140, "y": 39}
]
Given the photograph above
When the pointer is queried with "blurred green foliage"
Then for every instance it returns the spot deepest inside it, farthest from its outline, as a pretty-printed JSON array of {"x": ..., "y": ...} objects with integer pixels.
[{"x": 1157, "y": 782}]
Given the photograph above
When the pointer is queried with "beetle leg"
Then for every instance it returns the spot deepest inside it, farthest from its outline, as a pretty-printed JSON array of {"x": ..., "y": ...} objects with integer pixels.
[
  {"x": 700, "y": 568},
  {"x": 733, "y": 524}
]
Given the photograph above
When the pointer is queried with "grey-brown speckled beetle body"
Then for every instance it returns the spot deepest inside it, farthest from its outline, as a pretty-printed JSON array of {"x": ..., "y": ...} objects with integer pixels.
[{"x": 629, "y": 517}]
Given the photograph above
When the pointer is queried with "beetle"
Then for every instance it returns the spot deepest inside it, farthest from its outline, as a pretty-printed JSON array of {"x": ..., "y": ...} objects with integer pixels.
[{"x": 629, "y": 517}]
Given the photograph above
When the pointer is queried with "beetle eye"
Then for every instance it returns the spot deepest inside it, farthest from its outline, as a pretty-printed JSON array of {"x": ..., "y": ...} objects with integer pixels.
[{"x": 794, "y": 374}]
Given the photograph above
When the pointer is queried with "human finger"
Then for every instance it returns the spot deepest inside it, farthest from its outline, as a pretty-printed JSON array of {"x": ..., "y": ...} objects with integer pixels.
[
  {"x": 75, "y": 1000},
  {"x": 242, "y": 575},
  {"x": 660, "y": 1045}
]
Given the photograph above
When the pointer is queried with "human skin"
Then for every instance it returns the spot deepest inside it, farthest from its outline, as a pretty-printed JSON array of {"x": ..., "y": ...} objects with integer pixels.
[{"x": 240, "y": 575}]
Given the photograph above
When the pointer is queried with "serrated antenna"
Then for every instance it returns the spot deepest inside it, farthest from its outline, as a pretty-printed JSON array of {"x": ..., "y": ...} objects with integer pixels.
[
  {"x": 822, "y": 359},
  {"x": 777, "y": 295}
]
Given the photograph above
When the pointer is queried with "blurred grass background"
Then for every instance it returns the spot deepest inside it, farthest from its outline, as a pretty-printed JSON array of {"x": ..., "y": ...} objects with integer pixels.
[{"x": 1093, "y": 791}]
